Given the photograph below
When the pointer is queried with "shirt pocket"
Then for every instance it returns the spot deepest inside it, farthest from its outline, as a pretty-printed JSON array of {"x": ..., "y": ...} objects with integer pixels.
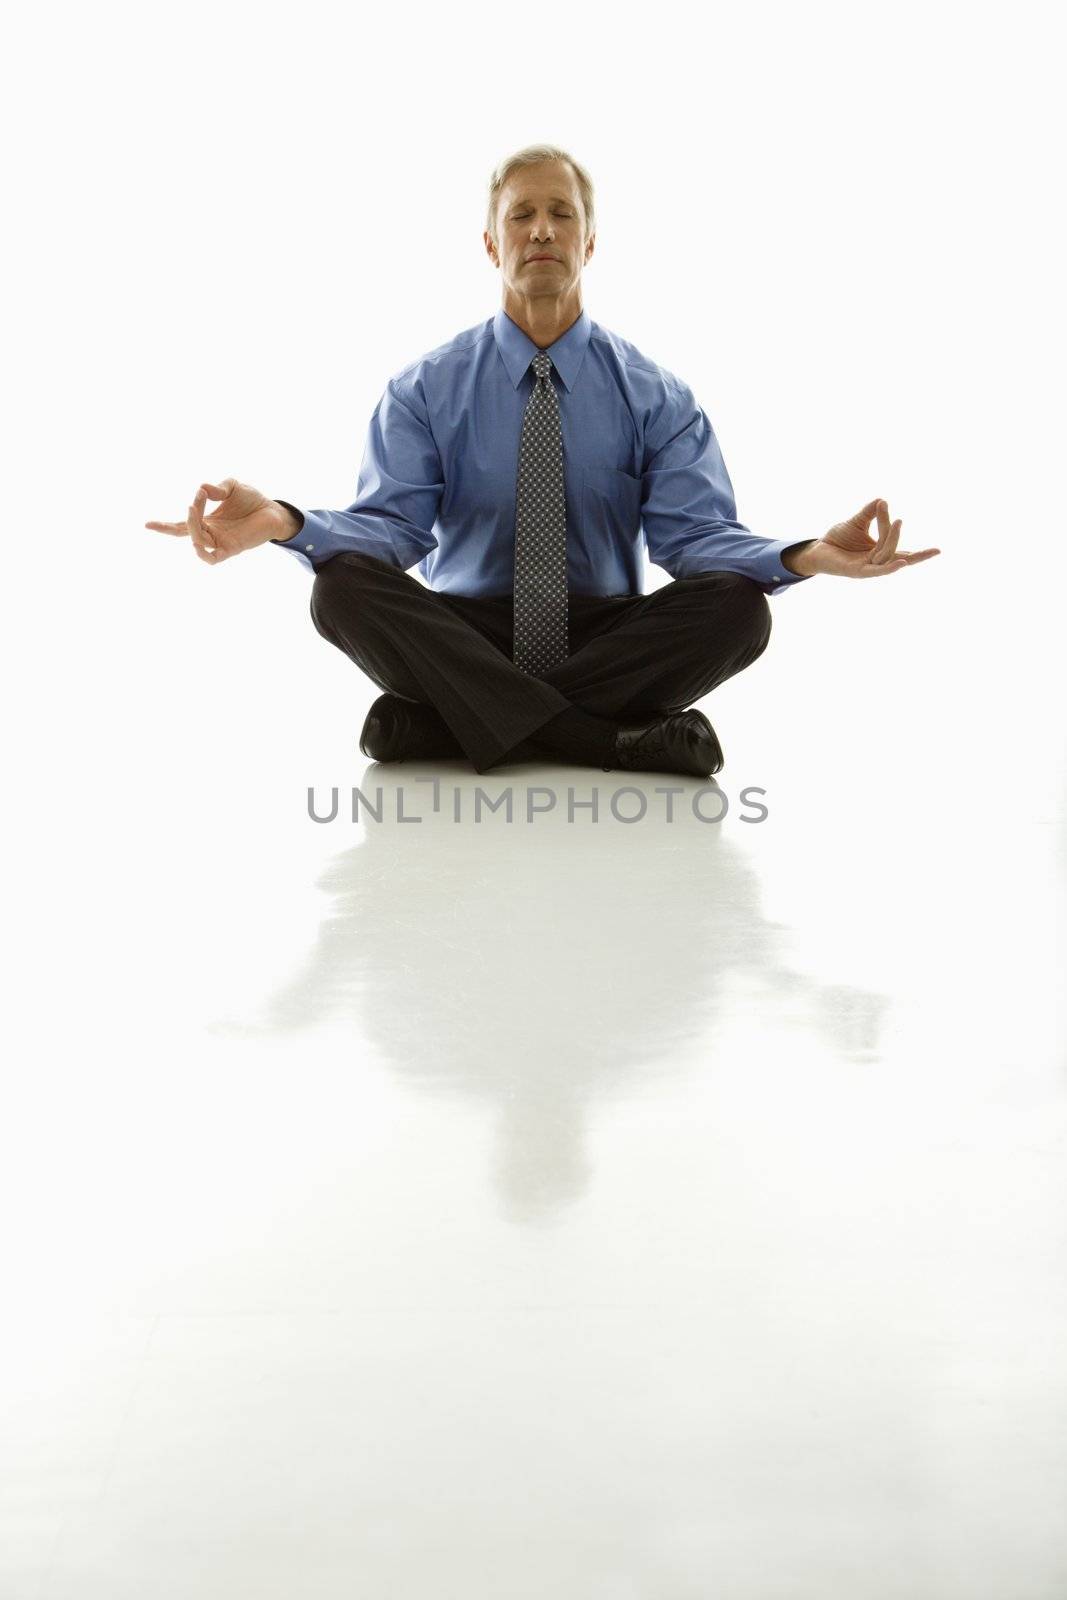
[{"x": 611, "y": 505}]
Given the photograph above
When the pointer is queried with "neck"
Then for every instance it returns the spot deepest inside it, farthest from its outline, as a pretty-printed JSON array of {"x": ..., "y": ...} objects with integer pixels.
[{"x": 543, "y": 318}]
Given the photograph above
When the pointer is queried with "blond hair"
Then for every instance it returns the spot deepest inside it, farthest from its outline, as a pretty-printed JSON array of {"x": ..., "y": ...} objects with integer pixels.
[{"x": 529, "y": 156}]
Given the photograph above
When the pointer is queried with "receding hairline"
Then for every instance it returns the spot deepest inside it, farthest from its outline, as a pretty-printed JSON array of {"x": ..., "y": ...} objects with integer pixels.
[
  {"x": 523, "y": 199},
  {"x": 519, "y": 176}
]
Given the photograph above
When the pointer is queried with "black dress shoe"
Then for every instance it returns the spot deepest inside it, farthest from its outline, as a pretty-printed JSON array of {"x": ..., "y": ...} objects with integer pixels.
[
  {"x": 396, "y": 729},
  {"x": 682, "y": 741}
]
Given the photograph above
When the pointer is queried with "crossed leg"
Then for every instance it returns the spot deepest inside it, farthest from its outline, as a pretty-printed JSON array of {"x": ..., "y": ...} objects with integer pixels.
[
  {"x": 654, "y": 653},
  {"x": 631, "y": 655}
]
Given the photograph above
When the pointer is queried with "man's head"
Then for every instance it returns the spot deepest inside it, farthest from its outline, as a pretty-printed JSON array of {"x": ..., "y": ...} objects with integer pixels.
[{"x": 540, "y": 204}]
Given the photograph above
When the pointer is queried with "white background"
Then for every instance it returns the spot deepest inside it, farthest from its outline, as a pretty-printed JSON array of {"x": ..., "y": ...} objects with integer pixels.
[{"x": 782, "y": 1162}]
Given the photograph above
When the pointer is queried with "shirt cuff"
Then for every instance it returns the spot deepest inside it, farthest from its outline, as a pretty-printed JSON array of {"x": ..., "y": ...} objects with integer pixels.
[
  {"x": 287, "y": 543},
  {"x": 307, "y": 539},
  {"x": 778, "y": 575}
]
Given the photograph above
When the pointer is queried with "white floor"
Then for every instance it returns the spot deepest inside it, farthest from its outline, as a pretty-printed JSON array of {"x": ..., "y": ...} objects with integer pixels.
[{"x": 539, "y": 1208}]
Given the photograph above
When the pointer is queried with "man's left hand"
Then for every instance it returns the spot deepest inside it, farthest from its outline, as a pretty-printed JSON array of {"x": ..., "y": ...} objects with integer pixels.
[{"x": 850, "y": 551}]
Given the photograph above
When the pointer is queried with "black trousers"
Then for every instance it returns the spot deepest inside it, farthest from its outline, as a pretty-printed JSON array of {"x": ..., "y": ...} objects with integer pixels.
[{"x": 632, "y": 656}]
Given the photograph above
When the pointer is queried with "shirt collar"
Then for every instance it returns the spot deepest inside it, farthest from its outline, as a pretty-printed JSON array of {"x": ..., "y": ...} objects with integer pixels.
[{"x": 517, "y": 349}]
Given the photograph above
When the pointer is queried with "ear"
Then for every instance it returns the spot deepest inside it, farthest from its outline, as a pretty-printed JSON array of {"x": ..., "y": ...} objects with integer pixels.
[{"x": 490, "y": 247}]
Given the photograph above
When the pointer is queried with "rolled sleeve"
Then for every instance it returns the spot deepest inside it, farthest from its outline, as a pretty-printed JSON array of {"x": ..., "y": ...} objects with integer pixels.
[
  {"x": 397, "y": 496},
  {"x": 688, "y": 511}
]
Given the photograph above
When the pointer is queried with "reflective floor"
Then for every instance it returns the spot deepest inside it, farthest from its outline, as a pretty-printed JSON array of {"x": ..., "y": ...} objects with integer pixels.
[{"x": 536, "y": 1205}]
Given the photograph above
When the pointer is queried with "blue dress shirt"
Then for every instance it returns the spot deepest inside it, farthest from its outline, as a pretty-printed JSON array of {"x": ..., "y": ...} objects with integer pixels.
[{"x": 437, "y": 483}]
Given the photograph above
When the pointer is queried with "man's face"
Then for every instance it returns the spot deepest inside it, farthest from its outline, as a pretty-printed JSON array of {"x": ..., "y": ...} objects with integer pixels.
[{"x": 539, "y": 213}]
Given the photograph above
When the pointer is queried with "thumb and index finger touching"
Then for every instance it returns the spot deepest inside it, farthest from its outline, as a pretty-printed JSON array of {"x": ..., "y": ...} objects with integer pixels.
[
  {"x": 219, "y": 491},
  {"x": 207, "y": 491}
]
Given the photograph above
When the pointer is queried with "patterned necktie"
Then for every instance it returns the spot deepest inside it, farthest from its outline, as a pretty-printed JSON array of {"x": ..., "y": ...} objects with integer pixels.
[{"x": 540, "y": 598}]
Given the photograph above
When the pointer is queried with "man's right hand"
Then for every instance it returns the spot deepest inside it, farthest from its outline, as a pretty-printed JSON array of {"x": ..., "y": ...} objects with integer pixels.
[{"x": 244, "y": 519}]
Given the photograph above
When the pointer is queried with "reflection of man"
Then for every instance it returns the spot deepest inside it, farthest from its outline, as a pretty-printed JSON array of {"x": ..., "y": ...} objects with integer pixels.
[
  {"x": 670, "y": 983},
  {"x": 519, "y": 466}
]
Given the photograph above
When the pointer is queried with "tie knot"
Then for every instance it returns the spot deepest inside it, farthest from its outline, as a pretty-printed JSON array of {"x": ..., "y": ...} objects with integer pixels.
[{"x": 542, "y": 364}]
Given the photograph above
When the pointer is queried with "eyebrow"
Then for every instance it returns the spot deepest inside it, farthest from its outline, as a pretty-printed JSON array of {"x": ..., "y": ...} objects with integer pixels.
[{"x": 556, "y": 199}]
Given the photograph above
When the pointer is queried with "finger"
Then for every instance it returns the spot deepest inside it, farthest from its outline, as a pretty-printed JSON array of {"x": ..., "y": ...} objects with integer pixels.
[
  {"x": 917, "y": 555},
  {"x": 219, "y": 491},
  {"x": 872, "y": 571},
  {"x": 887, "y": 546},
  {"x": 882, "y": 509},
  {"x": 178, "y": 528},
  {"x": 196, "y": 526},
  {"x": 863, "y": 518},
  {"x": 883, "y": 529}
]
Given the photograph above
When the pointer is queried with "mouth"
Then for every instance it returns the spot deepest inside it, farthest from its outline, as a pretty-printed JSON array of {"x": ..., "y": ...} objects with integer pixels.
[{"x": 531, "y": 259}]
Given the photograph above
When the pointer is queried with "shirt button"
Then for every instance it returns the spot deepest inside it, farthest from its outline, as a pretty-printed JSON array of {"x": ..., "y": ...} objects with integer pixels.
[
  {"x": 773, "y": 580},
  {"x": 310, "y": 547}
]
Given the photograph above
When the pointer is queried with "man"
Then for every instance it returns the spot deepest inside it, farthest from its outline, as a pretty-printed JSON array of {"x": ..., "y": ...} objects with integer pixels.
[{"x": 519, "y": 466}]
